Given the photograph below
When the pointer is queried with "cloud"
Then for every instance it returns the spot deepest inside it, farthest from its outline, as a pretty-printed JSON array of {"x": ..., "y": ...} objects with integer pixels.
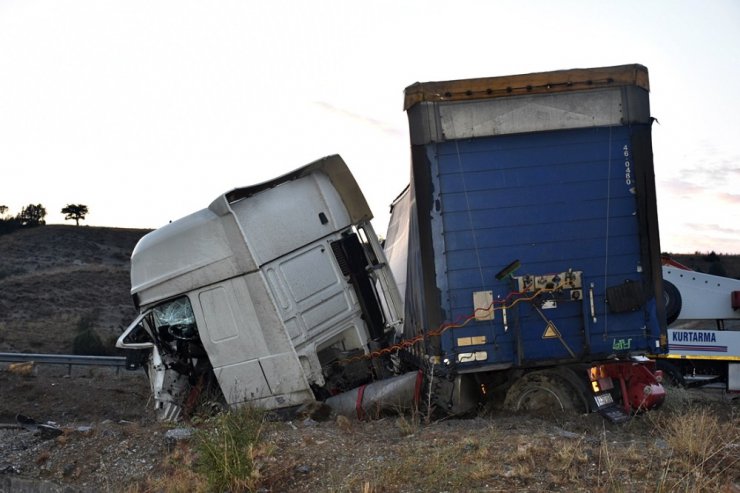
[
  {"x": 718, "y": 172},
  {"x": 714, "y": 228},
  {"x": 692, "y": 189},
  {"x": 699, "y": 217},
  {"x": 730, "y": 198},
  {"x": 681, "y": 187},
  {"x": 364, "y": 120},
  {"x": 699, "y": 238},
  {"x": 709, "y": 161}
]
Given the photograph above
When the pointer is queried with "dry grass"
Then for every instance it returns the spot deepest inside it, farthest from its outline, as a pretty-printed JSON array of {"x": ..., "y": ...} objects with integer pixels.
[
  {"x": 176, "y": 475},
  {"x": 23, "y": 369},
  {"x": 690, "y": 447},
  {"x": 704, "y": 451},
  {"x": 693, "y": 450},
  {"x": 409, "y": 424}
]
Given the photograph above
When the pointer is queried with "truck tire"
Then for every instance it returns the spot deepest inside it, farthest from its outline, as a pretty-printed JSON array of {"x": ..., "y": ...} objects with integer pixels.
[
  {"x": 543, "y": 391},
  {"x": 672, "y": 376},
  {"x": 673, "y": 302}
]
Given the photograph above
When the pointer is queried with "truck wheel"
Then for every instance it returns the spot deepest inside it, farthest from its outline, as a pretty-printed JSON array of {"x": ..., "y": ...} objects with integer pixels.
[
  {"x": 673, "y": 302},
  {"x": 543, "y": 391},
  {"x": 672, "y": 376}
]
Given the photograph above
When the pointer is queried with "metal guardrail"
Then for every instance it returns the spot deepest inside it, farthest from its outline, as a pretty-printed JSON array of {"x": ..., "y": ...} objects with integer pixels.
[{"x": 63, "y": 359}]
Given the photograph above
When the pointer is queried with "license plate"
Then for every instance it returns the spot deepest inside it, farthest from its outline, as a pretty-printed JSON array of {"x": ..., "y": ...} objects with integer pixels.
[{"x": 604, "y": 399}]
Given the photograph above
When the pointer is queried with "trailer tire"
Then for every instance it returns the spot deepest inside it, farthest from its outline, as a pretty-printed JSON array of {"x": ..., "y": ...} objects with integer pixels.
[
  {"x": 673, "y": 302},
  {"x": 543, "y": 391}
]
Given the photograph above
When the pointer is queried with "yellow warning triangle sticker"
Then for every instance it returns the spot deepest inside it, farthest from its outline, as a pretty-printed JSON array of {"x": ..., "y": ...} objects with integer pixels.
[{"x": 550, "y": 331}]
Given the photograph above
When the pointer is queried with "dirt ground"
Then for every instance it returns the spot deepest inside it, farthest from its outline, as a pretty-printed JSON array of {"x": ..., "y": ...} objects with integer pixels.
[
  {"x": 108, "y": 436},
  {"x": 110, "y": 441}
]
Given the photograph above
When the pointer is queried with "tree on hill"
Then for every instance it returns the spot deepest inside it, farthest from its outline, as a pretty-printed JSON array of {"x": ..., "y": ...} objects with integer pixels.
[
  {"x": 75, "y": 211},
  {"x": 712, "y": 257},
  {"x": 32, "y": 215},
  {"x": 8, "y": 223},
  {"x": 4, "y": 216}
]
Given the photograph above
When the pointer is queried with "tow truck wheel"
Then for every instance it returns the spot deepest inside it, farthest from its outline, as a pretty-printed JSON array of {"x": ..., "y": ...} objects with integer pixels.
[
  {"x": 672, "y": 376},
  {"x": 543, "y": 391},
  {"x": 672, "y": 298}
]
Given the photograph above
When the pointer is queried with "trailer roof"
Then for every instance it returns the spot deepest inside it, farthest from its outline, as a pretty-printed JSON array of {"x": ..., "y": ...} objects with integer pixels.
[{"x": 578, "y": 79}]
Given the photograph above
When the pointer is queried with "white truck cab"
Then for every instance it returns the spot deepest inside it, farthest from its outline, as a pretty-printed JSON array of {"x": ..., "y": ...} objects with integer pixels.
[{"x": 264, "y": 296}]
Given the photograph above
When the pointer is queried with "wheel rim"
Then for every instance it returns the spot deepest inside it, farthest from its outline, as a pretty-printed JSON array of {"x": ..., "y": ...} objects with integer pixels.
[{"x": 530, "y": 395}]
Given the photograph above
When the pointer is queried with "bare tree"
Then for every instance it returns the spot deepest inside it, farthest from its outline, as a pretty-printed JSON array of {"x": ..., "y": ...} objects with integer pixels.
[{"x": 75, "y": 211}]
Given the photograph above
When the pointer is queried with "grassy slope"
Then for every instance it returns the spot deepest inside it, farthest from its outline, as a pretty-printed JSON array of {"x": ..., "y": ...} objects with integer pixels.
[{"x": 50, "y": 276}]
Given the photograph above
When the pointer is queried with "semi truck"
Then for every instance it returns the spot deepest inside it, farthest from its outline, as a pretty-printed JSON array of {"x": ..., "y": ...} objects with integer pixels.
[
  {"x": 527, "y": 242},
  {"x": 267, "y": 297},
  {"x": 526, "y": 246},
  {"x": 703, "y": 315}
]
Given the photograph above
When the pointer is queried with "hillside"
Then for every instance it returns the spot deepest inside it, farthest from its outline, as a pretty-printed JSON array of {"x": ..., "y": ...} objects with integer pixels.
[
  {"x": 711, "y": 263},
  {"x": 52, "y": 277}
]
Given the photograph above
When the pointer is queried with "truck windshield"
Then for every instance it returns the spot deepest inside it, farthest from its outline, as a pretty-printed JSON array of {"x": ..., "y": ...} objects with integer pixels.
[
  {"x": 175, "y": 318},
  {"x": 170, "y": 320}
]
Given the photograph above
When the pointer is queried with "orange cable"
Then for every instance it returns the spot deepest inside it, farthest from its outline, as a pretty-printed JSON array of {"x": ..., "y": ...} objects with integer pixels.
[{"x": 444, "y": 327}]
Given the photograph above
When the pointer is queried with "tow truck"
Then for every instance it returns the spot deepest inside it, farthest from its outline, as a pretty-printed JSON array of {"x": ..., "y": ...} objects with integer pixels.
[{"x": 703, "y": 315}]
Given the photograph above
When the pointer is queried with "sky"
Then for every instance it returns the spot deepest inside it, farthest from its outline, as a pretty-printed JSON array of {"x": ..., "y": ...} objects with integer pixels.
[{"x": 146, "y": 111}]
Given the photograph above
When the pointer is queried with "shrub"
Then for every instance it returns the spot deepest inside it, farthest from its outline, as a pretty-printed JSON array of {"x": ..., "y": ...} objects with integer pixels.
[
  {"x": 87, "y": 340},
  {"x": 226, "y": 450}
]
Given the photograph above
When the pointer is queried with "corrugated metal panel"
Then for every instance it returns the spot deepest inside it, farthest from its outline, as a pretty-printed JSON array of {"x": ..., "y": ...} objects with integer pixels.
[{"x": 555, "y": 201}]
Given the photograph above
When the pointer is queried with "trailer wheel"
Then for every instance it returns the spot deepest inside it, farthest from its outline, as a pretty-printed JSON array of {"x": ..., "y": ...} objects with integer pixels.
[
  {"x": 673, "y": 302},
  {"x": 543, "y": 391}
]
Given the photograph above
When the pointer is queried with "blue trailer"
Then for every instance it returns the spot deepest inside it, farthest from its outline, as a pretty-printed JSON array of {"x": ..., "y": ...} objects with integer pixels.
[{"x": 528, "y": 239}]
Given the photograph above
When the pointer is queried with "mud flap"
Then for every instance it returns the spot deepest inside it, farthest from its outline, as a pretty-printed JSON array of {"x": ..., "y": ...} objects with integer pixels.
[{"x": 456, "y": 397}]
